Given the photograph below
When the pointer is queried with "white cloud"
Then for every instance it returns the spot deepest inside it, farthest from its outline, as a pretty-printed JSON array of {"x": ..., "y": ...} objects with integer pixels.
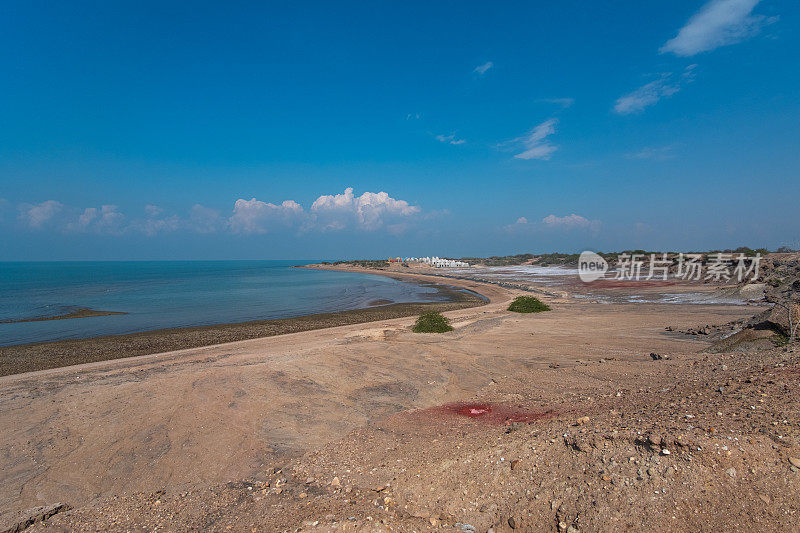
[
  {"x": 450, "y": 139},
  {"x": 570, "y": 222},
  {"x": 255, "y": 216},
  {"x": 153, "y": 223},
  {"x": 329, "y": 212},
  {"x": 481, "y": 69},
  {"x": 645, "y": 96},
  {"x": 552, "y": 223},
  {"x": 205, "y": 220},
  {"x": 535, "y": 142},
  {"x": 152, "y": 210},
  {"x": 563, "y": 102},
  {"x": 650, "y": 94},
  {"x": 38, "y": 215},
  {"x": 661, "y": 153},
  {"x": 54, "y": 215},
  {"x": 368, "y": 212},
  {"x": 105, "y": 220},
  {"x": 718, "y": 23},
  {"x": 153, "y": 226}
]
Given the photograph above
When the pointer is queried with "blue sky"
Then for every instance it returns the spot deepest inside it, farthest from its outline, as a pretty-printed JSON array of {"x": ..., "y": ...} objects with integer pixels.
[{"x": 155, "y": 130}]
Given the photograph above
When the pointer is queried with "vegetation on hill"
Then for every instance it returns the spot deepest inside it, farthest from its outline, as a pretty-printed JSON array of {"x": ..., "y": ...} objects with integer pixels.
[
  {"x": 527, "y": 304},
  {"x": 432, "y": 322},
  {"x": 568, "y": 259},
  {"x": 496, "y": 260},
  {"x": 557, "y": 259}
]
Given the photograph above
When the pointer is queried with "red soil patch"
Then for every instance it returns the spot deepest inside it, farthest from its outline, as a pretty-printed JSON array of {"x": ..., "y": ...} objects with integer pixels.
[
  {"x": 475, "y": 410},
  {"x": 493, "y": 414}
]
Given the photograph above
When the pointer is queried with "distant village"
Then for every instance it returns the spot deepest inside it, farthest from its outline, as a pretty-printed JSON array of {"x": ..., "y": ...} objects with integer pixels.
[{"x": 437, "y": 262}]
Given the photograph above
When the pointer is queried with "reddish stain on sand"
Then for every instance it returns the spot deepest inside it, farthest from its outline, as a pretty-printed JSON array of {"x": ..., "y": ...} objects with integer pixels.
[
  {"x": 475, "y": 410},
  {"x": 494, "y": 414}
]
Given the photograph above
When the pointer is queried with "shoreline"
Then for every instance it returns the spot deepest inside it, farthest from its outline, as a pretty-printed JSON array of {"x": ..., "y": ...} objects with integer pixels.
[
  {"x": 31, "y": 357},
  {"x": 197, "y": 428}
]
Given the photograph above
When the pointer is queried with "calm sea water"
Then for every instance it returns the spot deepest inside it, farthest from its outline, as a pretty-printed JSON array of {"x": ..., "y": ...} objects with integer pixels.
[{"x": 167, "y": 294}]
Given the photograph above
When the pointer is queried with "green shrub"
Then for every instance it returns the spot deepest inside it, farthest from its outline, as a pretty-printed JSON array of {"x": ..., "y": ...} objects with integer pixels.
[
  {"x": 432, "y": 322},
  {"x": 527, "y": 304}
]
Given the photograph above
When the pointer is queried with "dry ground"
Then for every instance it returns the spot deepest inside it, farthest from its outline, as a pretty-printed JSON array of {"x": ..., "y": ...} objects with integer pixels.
[{"x": 356, "y": 428}]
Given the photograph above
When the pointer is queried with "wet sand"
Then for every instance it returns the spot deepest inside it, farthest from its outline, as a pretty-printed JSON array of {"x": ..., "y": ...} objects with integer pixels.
[{"x": 40, "y": 356}]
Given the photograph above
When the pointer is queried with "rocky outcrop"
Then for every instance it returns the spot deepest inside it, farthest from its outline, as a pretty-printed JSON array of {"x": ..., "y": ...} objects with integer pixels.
[{"x": 25, "y": 519}]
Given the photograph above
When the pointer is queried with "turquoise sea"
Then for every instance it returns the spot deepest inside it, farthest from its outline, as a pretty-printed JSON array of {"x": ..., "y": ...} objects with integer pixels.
[{"x": 164, "y": 294}]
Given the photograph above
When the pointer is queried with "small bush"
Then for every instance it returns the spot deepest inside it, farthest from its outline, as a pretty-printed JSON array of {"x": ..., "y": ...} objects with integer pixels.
[
  {"x": 432, "y": 322},
  {"x": 527, "y": 304}
]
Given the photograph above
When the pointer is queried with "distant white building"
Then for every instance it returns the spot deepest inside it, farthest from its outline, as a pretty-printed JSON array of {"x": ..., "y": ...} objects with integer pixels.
[{"x": 437, "y": 262}]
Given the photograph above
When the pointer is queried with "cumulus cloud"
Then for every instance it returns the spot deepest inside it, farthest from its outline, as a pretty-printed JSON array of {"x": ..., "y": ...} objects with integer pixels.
[
  {"x": 450, "y": 139},
  {"x": 369, "y": 211},
  {"x": 205, "y": 220},
  {"x": 329, "y": 212},
  {"x": 255, "y": 216},
  {"x": 718, "y": 23},
  {"x": 552, "y": 223},
  {"x": 535, "y": 143},
  {"x": 650, "y": 94},
  {"x": 36, "y": 216},
  {"x": 152, "y": 210},
  {"x": 482, "y": 69},
  {"x": 153, "y": 223},
  {"x": 53, "y": 215},
  {"x": 104, "y": 220},
  {"x": 570, "y": 222}
]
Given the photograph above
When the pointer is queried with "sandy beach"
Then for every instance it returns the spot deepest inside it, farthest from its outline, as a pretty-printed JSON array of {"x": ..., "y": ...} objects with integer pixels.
[
  {"x": 21, "y": 358},
  {"x": 359, "y": 420}
]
